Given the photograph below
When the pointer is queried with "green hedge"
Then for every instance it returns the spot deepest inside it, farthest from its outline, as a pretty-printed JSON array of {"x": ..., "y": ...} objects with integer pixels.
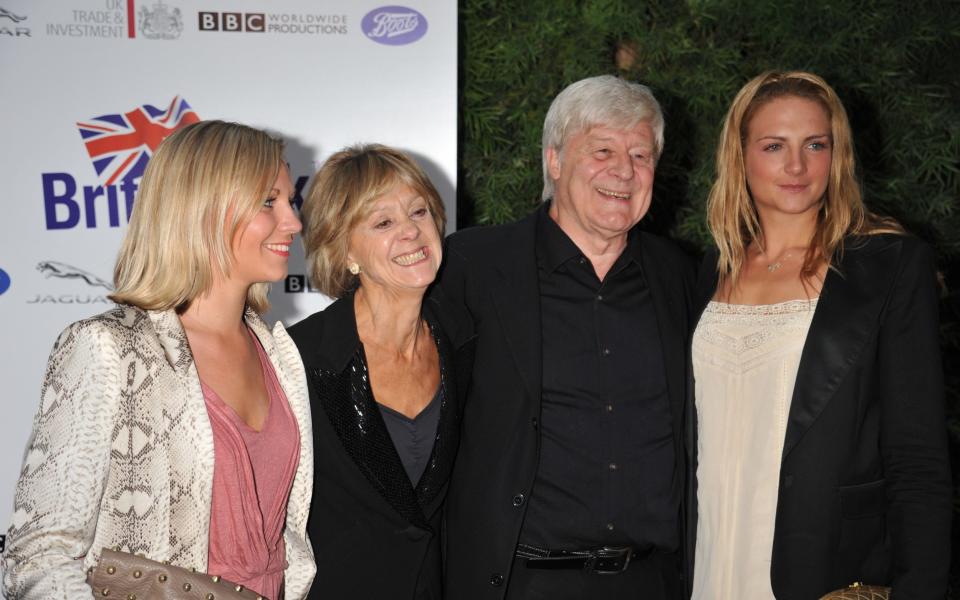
[{"x": 894, "y": 64}]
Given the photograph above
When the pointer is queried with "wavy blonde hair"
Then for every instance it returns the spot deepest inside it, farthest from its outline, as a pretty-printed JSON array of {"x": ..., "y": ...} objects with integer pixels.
[
  {"x": 204, "y": 183},
  {"x": 342, "y": 194},
  {"x": 731, "y": 214}
]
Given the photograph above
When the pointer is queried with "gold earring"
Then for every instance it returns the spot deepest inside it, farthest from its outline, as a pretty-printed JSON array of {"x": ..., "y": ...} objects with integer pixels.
[{"x": 354, "y": 268}]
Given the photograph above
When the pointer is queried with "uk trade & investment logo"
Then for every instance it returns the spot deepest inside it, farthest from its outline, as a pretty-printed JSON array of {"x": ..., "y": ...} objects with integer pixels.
[
  {"x": 4, "y": 282},
  {"x": 107, "y": 20},
  {"x": 394, "y": 25},
  {"x": 276, "y": 23},
  {"x": 13, "y": 28},
  {"x": 59, "y": 270},
  {"x": 119, "y": 145},
  {"x": 118, "y": 19}
]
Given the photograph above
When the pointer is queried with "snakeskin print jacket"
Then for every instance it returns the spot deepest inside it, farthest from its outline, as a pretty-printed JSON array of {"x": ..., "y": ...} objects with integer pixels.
[{"x": 121, "y": 455}]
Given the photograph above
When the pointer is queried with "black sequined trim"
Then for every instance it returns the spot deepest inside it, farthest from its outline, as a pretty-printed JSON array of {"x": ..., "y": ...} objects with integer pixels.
[{"x": 348, "y": 402}]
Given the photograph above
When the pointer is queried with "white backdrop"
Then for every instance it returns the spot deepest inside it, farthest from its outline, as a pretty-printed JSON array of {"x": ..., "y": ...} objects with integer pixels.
[{"x": 319, "y": 74}]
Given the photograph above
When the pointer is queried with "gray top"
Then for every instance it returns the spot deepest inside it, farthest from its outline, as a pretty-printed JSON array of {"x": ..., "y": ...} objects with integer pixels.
[{"x": 413, "y": 438}]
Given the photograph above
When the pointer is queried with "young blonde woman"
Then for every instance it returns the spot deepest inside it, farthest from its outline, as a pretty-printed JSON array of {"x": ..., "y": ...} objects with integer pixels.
[
  {"x": 176, "y": 426},
  {"x": 821, "y": 445}
]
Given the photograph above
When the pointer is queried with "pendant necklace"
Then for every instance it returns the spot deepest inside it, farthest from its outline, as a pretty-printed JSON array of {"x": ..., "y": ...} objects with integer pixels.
[{"x": 778, "y": 263}]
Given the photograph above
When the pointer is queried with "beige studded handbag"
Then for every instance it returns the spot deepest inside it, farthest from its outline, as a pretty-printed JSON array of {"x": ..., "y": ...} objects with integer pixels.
[
  {"x": 127, "y": 576},
  {"x": 858, "y": 591}
]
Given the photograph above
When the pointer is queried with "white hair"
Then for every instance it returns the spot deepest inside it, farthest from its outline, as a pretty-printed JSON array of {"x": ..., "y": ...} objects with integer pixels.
[{"x": 603, "y": 100}]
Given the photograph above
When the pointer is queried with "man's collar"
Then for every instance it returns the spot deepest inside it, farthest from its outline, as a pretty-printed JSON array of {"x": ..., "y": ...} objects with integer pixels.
[{"x": 554, "y": 246}]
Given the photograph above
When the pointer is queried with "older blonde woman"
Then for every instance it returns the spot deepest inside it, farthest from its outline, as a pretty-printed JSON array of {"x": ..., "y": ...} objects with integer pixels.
[
  {"x": 176, "y": 425},
  {"x": 819, "y": 393},
  {"x": 383, "y": 377}
]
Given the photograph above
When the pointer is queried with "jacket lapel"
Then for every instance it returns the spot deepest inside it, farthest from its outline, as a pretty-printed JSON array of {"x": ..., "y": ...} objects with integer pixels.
[
  {"x": 188, "y": 404},
  {"x": 286, "y": 363},
  {"x": 670, "y": 306},
  {"x": 447, "y": 437},
  {"x": 517, "y": 302},
  {"x": 342, "y": 385},
  {"x": 845, "y": 319},
  {"x": 173, "y": 339},
  {"x": 190, "y": 442},
  {"x": 707, "y": 280}
]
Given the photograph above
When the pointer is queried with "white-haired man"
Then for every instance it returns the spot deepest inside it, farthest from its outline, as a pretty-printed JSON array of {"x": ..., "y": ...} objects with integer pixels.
[{"x": 570, "y": 474}]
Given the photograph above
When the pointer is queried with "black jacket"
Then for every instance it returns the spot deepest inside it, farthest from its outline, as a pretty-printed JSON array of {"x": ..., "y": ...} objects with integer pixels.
[
  {"x": 373, "y": 534},
  {"x": 493, "y": 273},
  {"x": 864, "y": 478}
]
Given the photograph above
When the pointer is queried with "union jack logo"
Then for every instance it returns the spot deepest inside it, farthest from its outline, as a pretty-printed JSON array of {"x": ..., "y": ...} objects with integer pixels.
[{"x": 120, "y": 145}]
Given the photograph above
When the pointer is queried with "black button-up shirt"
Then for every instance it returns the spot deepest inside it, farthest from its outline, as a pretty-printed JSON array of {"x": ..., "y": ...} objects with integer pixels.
[{"x": 606, "y": 473}]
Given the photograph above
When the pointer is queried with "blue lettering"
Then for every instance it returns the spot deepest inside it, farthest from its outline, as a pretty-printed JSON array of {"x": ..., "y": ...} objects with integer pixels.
[
  {"x": 129, "y": 189},
  {"x": 52, "y": 200},
  {"x": 89, "y": 195},
  {"x": 298, "y": 189},
  {"x": 112, "y": 206},
  {"x": 63, "y": 209}
]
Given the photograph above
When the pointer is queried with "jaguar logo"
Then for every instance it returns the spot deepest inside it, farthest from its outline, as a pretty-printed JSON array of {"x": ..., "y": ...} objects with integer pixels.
[
  {"x": 13, "y": 17},
  {"x": 51, "y": 268}
]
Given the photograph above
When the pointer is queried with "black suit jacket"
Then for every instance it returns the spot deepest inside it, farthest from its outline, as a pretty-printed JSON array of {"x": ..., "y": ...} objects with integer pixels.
[
  {"x": 492, "y": 271},
  {"x": 373, "y": 534},
  {"x": 864, "y": 478}
]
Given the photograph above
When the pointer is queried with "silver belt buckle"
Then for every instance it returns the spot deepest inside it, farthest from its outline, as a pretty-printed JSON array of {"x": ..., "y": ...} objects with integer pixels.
[{"x": 608, "y": 560}]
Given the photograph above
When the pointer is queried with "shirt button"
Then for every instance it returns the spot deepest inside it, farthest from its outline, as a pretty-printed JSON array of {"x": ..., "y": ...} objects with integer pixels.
[
  {"x": 518, "y": 500},
  {"x": 609, "y": 408},
  {"x": 606, "y": 352},
  {"x": 599, "y": 297},
  {"x": 613, "y": 466},
  {"x": 496, "y": 580},
  {"x": 609, "y": 526},
  {"x": 534, "y": 422},
  {"x": 583, "y": 260}
]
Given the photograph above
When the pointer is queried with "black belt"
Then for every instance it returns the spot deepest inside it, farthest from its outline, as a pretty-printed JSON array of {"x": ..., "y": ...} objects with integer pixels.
[{"x": 607, "y": 560}]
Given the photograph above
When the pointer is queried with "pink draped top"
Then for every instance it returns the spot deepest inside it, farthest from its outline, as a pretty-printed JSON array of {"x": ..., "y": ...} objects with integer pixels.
[{"x": 252, "y": 476}]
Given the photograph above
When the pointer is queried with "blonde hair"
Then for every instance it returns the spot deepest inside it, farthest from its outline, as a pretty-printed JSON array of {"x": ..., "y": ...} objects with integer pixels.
[
  {"x": 602, "y": 100},
  {"x": 202, "y": 185},
  {"x": 731, "y": 214},
  {"x": 342, "y": 194}
]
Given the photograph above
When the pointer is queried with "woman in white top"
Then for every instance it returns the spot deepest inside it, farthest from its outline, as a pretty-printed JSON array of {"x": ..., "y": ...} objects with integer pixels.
[{"x": 820, "y": 432}]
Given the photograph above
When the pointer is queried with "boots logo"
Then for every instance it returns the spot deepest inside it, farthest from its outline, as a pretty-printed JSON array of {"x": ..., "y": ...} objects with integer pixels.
[
  {"x": 51, "y": 268},
  {"x": 119, "y": 145},
  {"x": 394, "y": 25}
]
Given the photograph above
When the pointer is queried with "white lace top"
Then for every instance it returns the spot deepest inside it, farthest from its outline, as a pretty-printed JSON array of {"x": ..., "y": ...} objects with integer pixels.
[{"x": 745, "y": 361}]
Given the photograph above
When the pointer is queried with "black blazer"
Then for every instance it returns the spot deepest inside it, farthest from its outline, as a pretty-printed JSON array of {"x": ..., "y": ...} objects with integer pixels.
[
  {"x": 493, "y": 272},
  {"x": 864, "y": 478},
  {"x": 373, "y": 534}
]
